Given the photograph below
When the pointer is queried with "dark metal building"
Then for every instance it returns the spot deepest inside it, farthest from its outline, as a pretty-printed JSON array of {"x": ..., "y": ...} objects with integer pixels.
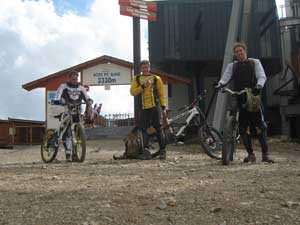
[
  {"x": 189, "y": 38},
  {"x": 287, "y": 92}
]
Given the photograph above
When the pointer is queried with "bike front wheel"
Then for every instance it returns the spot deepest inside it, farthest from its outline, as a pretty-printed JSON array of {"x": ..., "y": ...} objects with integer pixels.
[
  {"x": 229, "y": 140},
  {"x": 211, "y": 141},
  {"x": 79, "y": 150},
  {"x": 49, "y": 147}
]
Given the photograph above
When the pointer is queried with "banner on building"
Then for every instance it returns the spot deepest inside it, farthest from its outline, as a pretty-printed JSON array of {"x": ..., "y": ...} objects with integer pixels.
[
  {"x": 52, "y": 110},
  {"x": 106, "y": 74}
]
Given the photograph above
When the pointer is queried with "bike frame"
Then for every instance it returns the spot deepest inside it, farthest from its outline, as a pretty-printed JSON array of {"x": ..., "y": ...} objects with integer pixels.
[
  {"x": 67, "y": 120},
  {"x": 209, "y": 137},
  {"x": 191, "y": 112},
  {"x": 234, "y": 111}
]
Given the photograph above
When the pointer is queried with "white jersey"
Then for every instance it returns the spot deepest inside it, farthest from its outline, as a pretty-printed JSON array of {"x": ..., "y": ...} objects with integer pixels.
[
  {"x": 259, "y": 73},
  {"x": 71, "y": 93}
]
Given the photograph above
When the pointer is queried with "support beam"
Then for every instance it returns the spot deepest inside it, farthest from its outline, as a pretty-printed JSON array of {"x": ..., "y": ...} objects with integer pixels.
[
  {"x": 219, "y": 115},
  {"x": 30, "y": 134},
  {"x": 136, "y": 64},
  {"x": 246, "y": 18}
]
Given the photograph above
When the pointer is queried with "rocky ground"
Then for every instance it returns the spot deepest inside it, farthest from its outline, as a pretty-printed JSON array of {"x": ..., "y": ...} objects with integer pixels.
[{"x": 188, "y": 188}]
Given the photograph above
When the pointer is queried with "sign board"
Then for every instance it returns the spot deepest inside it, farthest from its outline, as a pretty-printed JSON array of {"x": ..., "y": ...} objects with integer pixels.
[
  {"x": 52, "y": 110},
  {"x": 106, "y": 74},
  {"x": 11, "y": 131},
  {"x": 130, "y": 11},
  {"x": 139, "y": 4}
]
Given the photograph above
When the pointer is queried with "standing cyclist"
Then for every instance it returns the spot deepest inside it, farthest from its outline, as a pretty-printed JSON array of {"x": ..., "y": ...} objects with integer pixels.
[
  {"x": 248, "y": 73},
  {"x": 153, "y": 105},
  {"x": 71, "y": 92}
]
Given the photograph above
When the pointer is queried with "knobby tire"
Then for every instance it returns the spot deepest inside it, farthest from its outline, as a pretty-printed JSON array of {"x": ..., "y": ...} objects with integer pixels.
[
  {"x": 229, "y": 141},
  {"x": 48, "y": 148},
  {"x": 211, "y": 141},
  {"x": 80, "y": 142}
]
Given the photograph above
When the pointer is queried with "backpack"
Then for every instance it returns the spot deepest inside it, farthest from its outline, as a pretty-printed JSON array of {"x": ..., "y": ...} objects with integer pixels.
[
  {"x": 253, "y": 103},
  {"x": 133, "y": 145}
]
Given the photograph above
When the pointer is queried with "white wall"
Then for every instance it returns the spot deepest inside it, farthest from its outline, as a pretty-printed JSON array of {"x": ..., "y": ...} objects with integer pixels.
[
  {"x": 180, "y": 96},
  {"x": 52, "y": 110}
]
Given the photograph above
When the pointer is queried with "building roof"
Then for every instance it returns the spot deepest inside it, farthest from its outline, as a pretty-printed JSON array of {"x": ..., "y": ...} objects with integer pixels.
[
  {"x": 15, "y": 120},
  {"x": 100, "y": 60},
  {"x": 172, "y": 77},
  {"x": 25, "y": 121}
]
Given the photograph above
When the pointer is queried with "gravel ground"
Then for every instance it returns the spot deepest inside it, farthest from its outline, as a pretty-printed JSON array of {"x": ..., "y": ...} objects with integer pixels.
[{"x": 187, "y": 188}]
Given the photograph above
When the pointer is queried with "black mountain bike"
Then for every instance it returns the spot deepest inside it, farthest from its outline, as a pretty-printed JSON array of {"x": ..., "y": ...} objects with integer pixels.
[{"x": 231, "y": 129}]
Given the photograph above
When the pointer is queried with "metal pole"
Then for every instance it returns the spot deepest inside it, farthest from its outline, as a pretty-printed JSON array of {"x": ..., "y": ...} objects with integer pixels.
[
  {"x": 136, "y": 64},
  {"x": 219, "y": 115}
]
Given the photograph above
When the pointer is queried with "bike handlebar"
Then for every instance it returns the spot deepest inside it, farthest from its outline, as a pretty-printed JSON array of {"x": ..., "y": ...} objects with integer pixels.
[
  {"x": 58, "y": 102},
  {"x": 196, "y": 100},
  {"x": 190, "y": 106},
  {"x": 227, "y": 90}
]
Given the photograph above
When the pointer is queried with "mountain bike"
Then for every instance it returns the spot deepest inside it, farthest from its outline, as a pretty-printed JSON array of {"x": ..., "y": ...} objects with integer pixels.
[
  {"x": 70, "y": 124},
  {"x": 209, "y": 138},
  {"x": 231, "y": 129}
]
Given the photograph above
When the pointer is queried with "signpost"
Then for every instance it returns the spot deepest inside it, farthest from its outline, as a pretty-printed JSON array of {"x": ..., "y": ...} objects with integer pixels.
[
  {"x": 144, "y": 10},
  {"x": 149, "y": 6},
  {"x": 143, "y": 14}
]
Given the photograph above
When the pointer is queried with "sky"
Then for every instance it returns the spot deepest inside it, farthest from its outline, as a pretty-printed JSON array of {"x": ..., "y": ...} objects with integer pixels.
[{"x": 40, "y": 37}]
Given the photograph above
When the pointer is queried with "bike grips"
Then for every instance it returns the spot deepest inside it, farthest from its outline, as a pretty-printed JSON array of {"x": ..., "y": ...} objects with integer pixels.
[{"x": 257, "y": 90}]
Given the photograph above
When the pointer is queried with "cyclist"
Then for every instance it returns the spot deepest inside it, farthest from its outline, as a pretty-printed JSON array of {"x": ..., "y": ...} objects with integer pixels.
[
  {"x": 248, "y": 73},
  {"x": 71, "y": 92},
  {"x": 153, "y": 105}
]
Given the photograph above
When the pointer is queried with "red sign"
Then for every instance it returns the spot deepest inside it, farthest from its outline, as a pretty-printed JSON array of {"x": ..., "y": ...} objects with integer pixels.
[
  {"x": 139, "y": 4},
  {"x": 129, "y": 11}
]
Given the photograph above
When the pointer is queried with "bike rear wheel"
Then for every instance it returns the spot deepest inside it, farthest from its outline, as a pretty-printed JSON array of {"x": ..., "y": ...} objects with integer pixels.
[
  {"x": 229, "y": 140},
  {"x": 211, "y": 141},
  {"x": 79, "y": 150},
  {"x": 49, "y": 147}
]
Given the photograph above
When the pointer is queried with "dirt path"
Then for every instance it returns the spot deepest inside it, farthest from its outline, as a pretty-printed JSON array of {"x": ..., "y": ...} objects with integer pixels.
[{"x": 188, "y": 188}]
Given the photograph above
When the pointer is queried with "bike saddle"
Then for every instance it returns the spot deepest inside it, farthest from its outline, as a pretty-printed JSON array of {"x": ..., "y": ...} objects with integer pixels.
[{"x": 58, "y": 116}]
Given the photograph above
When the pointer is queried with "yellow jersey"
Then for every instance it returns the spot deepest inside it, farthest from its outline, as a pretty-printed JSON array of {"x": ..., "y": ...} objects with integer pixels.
[{"x": 148, "y": 96}]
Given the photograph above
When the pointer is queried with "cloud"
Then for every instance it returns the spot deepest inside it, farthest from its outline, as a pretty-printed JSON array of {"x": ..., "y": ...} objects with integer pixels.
[{"x": 36, "y": 41}]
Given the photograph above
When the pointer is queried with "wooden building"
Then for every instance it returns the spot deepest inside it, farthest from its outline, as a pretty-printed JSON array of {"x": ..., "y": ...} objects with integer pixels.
[
  {"x": 18, "y": 132},
  {"x": 105, "y": 71}
]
